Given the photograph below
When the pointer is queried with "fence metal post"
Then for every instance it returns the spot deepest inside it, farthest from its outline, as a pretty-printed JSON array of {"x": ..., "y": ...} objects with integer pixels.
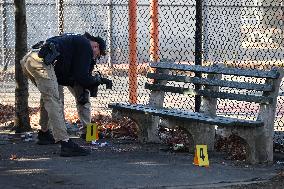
[
  {"x": 60, "y": 17},
  {"x": 282, "y": 24},
  {"x": 154, "y": 31},
  {"x": 110, "y": 35},
  {"x": 198, "y": 46},
  {"x": 132, "y": 5},
  {"x": 4, "y": 49},
  {"x": 205, "y": 31}
]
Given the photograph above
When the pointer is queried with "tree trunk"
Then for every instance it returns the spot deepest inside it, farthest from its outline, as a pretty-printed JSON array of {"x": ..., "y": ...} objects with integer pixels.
[{"x": 22, "y": 120}]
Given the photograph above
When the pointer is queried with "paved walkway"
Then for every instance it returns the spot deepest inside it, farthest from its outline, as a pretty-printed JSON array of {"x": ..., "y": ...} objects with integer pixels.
[{"x": 121, "y": 164}]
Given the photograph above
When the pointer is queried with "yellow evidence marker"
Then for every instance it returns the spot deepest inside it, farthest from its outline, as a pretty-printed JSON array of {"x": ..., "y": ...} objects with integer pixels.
[
  {"x": 201, "y": 156},
  {"x": 92, "y": 132}
]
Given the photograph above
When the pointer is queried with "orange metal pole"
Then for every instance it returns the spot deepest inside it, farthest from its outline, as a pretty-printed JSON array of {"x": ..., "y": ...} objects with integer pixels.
[
  {"x": 132, "y": 5},
  {"x": 154, "y": 31}
]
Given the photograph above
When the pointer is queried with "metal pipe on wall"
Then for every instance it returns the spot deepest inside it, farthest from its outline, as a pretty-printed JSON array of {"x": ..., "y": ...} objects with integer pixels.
[{"x": 109, "y": 33}]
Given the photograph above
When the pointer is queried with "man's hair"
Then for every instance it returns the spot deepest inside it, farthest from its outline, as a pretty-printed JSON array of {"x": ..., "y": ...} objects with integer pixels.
[{"x": 99, "y": 40}]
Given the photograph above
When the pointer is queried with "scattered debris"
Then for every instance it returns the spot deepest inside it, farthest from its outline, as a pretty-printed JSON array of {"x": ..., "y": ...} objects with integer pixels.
[
  {"x": 27, "y": 137},
  {"x": 279, "y": 162},
  {"x": 13, "y": 157},
  {"x": 73, "y": 128},
  {"x": 99, "y": 144},
  {"x": 177, "y": 139},
  {"x": 179, "y": 147},
  {"x": 103, "y": 144},
  {"x": 94, "y": 142}
]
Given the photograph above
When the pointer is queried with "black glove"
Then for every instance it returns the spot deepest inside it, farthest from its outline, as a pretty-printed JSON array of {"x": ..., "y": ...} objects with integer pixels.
[
  {"x": 101, "y": 80},
  {"x": 94, "y": 91},
  {"x": 107, "y": 82},
  {"x": 98, "y": 79},
  {"x": 94, "y": 88}
]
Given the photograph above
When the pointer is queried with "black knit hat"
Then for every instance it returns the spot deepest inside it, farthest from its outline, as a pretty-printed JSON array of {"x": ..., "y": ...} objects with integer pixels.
[{"x": 99, "y": 40}]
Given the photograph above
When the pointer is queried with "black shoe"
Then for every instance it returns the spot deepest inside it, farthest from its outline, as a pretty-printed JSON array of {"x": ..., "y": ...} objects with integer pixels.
[
  {"x": 45, "y": 138},
  {"x": 70, "y": 148}
]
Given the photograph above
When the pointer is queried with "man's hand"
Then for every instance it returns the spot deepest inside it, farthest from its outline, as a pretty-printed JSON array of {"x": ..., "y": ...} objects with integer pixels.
[
  {"x": 99, "y": 81},
  {"x": 107, "y": 82}
]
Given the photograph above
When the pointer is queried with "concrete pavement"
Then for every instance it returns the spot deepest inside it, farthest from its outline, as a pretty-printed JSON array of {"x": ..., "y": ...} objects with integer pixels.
[{"x": 121, "y": 164}]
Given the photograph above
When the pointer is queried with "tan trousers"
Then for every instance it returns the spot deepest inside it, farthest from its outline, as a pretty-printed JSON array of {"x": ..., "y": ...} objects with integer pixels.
[
  {"x": 84, "y": 111},
  {"x": 44, "y": 78}
]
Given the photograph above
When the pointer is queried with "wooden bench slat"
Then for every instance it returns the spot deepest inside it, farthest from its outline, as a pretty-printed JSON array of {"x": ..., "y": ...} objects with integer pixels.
[
  {"x": 186, "y": 115},
  {"x": 273, "y": 74},
  {"x": 211, "y": 82},
  {"x": 207, "y": 93}
]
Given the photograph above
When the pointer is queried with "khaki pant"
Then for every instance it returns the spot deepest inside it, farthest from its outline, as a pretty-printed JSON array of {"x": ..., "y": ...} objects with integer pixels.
[
  {"x": 84, "y": 111},
  {"x": 44, "y": 78}
]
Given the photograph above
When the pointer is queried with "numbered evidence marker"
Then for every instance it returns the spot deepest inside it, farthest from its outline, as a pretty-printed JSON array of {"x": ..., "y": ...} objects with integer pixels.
[
  {"x": 92, "y": 132},
  {"x": 201, "y": 156}
]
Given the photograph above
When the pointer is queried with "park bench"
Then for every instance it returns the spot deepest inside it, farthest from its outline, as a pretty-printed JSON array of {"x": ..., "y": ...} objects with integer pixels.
[{"x": 209, "y": 83}]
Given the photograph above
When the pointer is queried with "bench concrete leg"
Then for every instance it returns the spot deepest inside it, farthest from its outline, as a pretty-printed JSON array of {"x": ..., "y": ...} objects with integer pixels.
[
  {"x": 152, "y": 129},
  {"x": 259, "y": 147},
  {"x": 202, "y": 134},
  {"x": 147, "y": 124},
  {"x": 264, "y": 146}
]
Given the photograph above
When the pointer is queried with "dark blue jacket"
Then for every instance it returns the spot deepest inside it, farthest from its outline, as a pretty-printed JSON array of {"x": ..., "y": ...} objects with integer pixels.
[{"x": 75, "y": 63}]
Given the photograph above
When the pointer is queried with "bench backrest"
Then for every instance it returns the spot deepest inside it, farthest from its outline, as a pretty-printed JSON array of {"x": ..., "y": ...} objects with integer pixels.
[{"x": 206, "y": 87}]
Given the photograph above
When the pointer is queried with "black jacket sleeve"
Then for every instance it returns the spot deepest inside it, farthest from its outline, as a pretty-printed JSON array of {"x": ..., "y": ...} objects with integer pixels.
[{"x": 82, "y": 64}]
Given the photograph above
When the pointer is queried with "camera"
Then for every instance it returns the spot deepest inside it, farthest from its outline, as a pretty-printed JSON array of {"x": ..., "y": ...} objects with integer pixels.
[
  {"x": 107, "y": 82},
  {"x": 94, "y": 89}
]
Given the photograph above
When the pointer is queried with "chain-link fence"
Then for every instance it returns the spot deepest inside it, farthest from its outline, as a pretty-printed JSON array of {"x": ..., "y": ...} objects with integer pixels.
[{"x": 236, "y": 33}]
